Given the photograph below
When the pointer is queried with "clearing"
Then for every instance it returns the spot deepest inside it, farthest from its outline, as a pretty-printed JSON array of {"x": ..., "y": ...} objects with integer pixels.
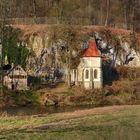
[{"x": 106, "y": 123}]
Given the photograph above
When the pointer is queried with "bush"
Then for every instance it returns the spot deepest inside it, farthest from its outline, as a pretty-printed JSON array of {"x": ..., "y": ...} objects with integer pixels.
[
  {"x": 24, "y": 98},
  {"x": 128, "y": 72}
]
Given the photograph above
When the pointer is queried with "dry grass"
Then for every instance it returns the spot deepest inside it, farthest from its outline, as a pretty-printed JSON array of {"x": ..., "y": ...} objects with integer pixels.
[
  {"x": 112, "y": 123},
  {"x": 44, "y": 28}
]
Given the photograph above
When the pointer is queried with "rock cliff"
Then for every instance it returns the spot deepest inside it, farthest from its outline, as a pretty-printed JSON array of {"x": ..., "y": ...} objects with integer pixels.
[{"x": 42, "y": 55}]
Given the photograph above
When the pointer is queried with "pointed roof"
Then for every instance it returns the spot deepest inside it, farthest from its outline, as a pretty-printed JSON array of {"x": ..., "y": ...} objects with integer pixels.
[
  {"x": 92, "y": 50},
  {"x": 17, "y": 70}
]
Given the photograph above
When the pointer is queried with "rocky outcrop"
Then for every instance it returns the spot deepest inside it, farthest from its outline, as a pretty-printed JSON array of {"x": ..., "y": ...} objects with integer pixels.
[
  {"x": 42, "y": 54},
  {"x": 136, "y": 60},
  {"x": 123, "y": 53}
]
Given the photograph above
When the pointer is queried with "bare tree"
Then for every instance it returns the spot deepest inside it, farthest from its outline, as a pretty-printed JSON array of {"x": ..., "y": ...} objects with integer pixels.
[
  {"x": 34, "y": 11},
  {"x": 68, "y": 35},
  {"x": 107, "y": 12},
  {"x": 101, "y": 12},
  {"x": 4, "y": 14}
]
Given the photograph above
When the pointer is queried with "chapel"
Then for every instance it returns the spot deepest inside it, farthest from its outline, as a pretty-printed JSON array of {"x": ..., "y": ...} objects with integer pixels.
[{"x": 89, "y": 71}]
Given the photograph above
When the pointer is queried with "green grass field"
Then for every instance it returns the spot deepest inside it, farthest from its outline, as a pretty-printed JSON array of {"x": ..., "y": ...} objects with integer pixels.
[{"x": 109, "y": 123}]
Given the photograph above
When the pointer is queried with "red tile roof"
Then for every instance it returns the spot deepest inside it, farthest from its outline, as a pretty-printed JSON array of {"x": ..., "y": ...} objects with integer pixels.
[{"x": 92, "y": 50}]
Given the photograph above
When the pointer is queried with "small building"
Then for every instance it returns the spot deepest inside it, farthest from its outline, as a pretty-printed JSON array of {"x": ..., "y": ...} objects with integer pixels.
[
  {"x": 16, "y": 78},
  {"x": 89, "y": 71}
]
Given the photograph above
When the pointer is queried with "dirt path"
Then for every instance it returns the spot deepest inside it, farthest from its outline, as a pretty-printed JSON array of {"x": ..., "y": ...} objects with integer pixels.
[
  {"x": 60, "y": 121},
  {"x": 96, "y": 111},
  {"x": 69, "y": 117}
]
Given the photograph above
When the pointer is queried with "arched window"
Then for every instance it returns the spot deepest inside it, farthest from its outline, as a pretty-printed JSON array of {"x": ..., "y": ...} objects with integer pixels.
[
  {"x": 95, "y": 74},
  {"x": 87, "y": 74}
]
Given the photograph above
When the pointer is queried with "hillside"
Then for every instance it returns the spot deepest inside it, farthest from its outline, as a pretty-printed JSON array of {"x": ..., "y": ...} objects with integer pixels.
[
  {"x": 44, "y": 28},
  {"x": 124, "y": 14},
  {"x": 70, "y": 69},
  {"x": 37, "y": 37},
  {"x": 40, "y": 28}
]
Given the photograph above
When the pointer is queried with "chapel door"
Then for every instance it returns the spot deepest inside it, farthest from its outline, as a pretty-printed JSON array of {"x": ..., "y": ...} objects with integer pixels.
[{"x": 88, "y": 78}]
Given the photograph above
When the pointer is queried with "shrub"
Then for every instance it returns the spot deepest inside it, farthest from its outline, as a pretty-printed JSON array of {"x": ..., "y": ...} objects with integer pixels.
[
  {"x": 24, "y": 98},
  {"x": 128, "y": 72}
]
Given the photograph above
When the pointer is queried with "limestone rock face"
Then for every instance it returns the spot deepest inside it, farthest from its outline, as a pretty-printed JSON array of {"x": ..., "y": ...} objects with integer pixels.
[
  {"x": 41, "y": 53},
  {"x": 122, "y": 54},
  {"x": 136, "y": 61}
]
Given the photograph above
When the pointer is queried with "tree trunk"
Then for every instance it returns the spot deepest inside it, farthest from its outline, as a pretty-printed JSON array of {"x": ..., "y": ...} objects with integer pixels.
[
  {"x": 107, "y": 12},
  {"x": 4, "y": 15},
  {"x": 68, "y": 61},
  {"x": 1, "y": 94},
  {"x": 133, "y": 18},
  {"x": 125, "y": 17},
  {"x": 101, "y": 13},
  {"x": 69, "y": 69},
  {"x": 34, "y": 11},
  {"x": 69, "y": 78}
]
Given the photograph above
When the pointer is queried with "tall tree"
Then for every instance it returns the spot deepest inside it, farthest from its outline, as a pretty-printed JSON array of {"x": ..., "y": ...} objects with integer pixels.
[
  {"x": 34, "y": 10},
  {"x": 101, "y": 12},
  {"x": 107, "y": 12},
  {"x": 70, "y": 41},
  {"x": 4, "y": 14}
]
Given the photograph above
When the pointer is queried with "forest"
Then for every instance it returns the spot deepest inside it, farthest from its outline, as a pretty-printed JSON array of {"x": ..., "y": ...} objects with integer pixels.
[
  {"x": 42, "y": 57},
  {"x": 118, "y": 13}
]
